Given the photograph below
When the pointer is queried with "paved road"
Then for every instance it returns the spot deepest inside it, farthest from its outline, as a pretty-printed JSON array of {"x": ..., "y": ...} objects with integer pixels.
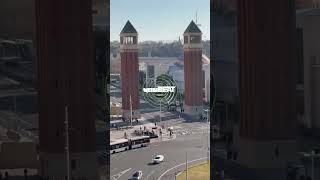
[{"x": 124, "y": 164}]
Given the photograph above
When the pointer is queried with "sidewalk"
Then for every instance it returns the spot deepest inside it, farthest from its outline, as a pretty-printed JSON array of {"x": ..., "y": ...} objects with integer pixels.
[{"x": 120, "y": 134}]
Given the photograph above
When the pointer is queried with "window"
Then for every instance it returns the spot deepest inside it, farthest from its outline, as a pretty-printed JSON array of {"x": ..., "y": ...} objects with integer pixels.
[
  {"x": 130, "y": 40},
  {"x": 186, "y": 40},
  {"x": 134, "y": 40},
  {"x": 121, "y": 40},
  {"x": 73, "y": 164},
  {"x": 195, "y": 39}
]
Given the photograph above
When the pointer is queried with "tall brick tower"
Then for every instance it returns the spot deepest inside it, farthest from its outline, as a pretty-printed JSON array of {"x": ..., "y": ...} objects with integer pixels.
[
  {"x": 66, "y": 78},
  {"x": 129, "y": 71},
  {"x": 267, "y": 83},
  {"x": 193, "y": 77}
]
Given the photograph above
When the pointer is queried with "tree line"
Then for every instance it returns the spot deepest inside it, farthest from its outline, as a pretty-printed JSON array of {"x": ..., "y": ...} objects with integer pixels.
[{"x": 160, "y": 49}]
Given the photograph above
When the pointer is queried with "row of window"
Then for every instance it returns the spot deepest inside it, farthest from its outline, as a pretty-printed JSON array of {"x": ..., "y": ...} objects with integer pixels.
[
  {"x": 193, "y": 39},
  {"x": 117, "y": 146},
  {"x": 128, "y": 40}
]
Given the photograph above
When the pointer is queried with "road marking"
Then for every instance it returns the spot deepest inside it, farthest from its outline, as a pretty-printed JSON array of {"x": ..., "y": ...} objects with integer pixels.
[
  {"x": 149, "y": 174},
  {"x": 117, "y": 176},
  {"x": 178, "y": 166}
]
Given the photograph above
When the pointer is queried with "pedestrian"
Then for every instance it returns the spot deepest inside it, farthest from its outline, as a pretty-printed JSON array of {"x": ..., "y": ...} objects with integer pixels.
[
  {"x": 144, "y": 127},
  {"x": 140, "y": 128},
  {"x": 125, "y": 135}
]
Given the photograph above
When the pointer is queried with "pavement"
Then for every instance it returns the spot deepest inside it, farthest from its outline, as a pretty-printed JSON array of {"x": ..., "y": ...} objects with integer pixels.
[
  {"x": 190, "y": 139},
  {"x": 176, "y": 152},
  {"x": 129, "y": 131}
]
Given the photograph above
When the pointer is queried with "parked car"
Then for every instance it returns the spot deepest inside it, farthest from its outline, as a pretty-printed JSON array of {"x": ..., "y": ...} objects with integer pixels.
[
  {"x": 137, "y": 175},
  {"x": 158, "y": 159}
]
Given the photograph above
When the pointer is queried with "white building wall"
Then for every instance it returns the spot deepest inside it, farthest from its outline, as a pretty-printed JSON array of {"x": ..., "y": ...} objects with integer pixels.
[{"x": 206, "y": 69}]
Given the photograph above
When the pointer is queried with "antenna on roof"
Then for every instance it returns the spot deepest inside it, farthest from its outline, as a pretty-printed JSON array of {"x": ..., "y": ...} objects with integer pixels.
[{"x": 197, "y": 19}]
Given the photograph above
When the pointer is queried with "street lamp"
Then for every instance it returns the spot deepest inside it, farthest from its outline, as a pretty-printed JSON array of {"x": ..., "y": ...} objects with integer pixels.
[
  {"x": 208, "y": 145},
  {"x": 67, "y": 141},
  {"x": 130, "y": 110}
]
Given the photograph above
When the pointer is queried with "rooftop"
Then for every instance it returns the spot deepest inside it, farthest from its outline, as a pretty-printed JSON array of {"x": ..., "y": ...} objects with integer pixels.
[
  {"x": 128, "y": 28},
  {"x": 192, "y": 28}
]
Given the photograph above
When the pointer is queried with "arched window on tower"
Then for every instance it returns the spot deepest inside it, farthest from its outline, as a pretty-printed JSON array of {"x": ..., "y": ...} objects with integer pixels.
[
  {"x": 186, "y": 40},
  {"x": 121, "y": 40}
]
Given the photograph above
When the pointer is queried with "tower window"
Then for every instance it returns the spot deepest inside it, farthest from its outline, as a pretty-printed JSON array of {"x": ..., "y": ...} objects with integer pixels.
[
  {"x": 186, "y": 40},
  {"x": 121, "y": 40},
  {"x": 195, "y": 39},
  {"x": 134, "y": 40},
  {"x": 130, "y": 40}
]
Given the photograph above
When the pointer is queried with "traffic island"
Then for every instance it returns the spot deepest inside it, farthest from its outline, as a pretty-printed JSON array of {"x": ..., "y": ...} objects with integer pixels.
[{"x": 196, "y": 172}]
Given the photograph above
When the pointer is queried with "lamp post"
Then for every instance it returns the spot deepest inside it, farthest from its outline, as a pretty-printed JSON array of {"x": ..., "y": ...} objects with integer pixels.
[
  {"x": 67, "y": 141},
  {"x": 130, "y": 110},
  {"x": 208, "y": 145},
  {"x": 160, "y": 112}
]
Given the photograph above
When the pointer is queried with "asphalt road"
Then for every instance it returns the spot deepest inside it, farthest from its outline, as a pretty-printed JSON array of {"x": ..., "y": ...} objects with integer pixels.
[{"x": 124, "y": 164}]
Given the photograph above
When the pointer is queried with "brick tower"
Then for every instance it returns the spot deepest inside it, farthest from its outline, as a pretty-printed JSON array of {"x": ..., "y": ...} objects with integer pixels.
[
  {"x": 267, "y": 83},
  {"x": 129, "y": 71},
  {"x": 66, "y": 78},
  {"x": 193, "y": 70}
]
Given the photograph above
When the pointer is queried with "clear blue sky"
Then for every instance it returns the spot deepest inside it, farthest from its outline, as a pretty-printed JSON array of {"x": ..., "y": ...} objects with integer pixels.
[{"x": 159, "y": 19}]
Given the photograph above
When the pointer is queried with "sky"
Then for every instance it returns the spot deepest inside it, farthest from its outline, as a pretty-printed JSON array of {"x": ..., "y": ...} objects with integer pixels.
[{"x": 159, "y": 20}]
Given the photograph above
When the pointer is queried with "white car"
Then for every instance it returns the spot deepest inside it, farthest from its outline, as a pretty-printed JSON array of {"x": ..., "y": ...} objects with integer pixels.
[
  {"x": 137, "y": 175},
  {"x": 158, "y": 159}
]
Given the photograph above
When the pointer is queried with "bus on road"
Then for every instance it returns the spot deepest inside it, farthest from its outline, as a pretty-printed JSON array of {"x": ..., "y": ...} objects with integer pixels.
[
  {"x": 139, "y": 141},
  {"x": 119, "y": 146}
]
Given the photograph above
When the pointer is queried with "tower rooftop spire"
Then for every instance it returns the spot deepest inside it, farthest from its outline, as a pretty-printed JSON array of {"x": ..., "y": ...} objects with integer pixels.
[
  {"x": 192, "y": 28},
  {"x": 128, "y": 28}
]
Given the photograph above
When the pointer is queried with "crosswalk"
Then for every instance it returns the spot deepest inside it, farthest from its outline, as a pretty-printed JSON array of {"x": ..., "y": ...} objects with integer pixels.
[{"x": 181, "y": 128}]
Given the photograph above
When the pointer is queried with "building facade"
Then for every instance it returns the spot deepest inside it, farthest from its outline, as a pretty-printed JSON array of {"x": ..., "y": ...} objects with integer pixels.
[
  {"x": 129, "y": 71},
  {"x": 267, "y": 130},
  {"x": 66, "y": 89}
]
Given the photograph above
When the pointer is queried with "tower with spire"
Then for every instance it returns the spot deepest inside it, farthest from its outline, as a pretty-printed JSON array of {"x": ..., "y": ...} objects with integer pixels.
[
  {"x": 193, "y": 70},
  {"x": 129, "y": 71}
]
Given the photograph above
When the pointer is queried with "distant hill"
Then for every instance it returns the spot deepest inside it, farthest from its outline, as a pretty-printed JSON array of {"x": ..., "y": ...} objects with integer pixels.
[{"x": 160, "y": 49}]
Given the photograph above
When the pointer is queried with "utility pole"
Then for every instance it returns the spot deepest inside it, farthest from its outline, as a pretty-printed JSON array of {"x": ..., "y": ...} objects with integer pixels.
[
  {"x": 208, "y": 141},
  {"x": 160, "y": 111},
  {"x": 186, "y": 165},
  {"x": 67, "y": 141},
  {"x": 130, "y": 110}
]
